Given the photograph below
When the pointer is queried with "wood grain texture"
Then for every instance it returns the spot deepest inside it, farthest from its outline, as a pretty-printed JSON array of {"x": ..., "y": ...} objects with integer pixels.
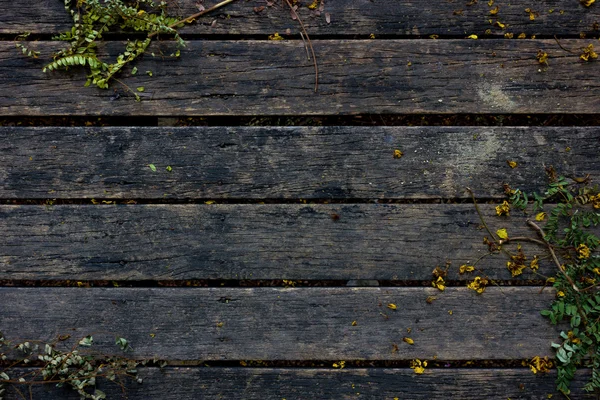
[
  {"x": 319, "y": 383},
  {"x": 289, "y": 323},
  {"x": 287, "y": 162},
  {"x": 348, "y": 17},
  {"x": 177, "y": 242},
  {"x": 274, "y": 78}
]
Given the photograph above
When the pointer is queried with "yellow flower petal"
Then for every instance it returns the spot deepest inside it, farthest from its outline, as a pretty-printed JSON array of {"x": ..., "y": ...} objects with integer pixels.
[
  {"x": 502, "y": 233},
  {"x": 540, "y": 216}
]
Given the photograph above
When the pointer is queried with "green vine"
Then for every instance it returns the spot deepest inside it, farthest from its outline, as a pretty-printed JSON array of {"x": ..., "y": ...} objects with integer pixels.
[{"x": 570, "y": 208}]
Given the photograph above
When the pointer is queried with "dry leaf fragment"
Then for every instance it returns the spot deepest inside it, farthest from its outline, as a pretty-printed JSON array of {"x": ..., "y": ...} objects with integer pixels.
[
  {"x": 542, "y": 57},
  {"x": 465, "y": 268},
  {"x": 398, "y": 153},
  {"x": 534, "y": 263},
  {"x": 538, "y": 364},
  {"x": 474, "y": 37},
  {"x": 532, "y": 14},
  {"x": 275, "y": 36},
  {"x": 512, "y": 164},
  {"x": 418, "y": 366},
  {"x": 494, "y": 11},
  {"x": 478, "y": 285},
  {"x": 587, "y": 3},
  {"x": 503, "y": 209},
  {"x": 392, "y": 306},
  {"x": 439, "y": 283},
  {"x": 540, "y": 216},
  {"x": 588, "y": 53},
  {"x": 408, "y": 340}
]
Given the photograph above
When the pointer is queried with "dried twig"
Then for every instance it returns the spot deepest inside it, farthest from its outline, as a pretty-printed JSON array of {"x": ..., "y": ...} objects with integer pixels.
[
  {"x": 540, "y": 231},
  {"x": 480, "y": 215},
  {"x": 198, "y": 14},
  {"x": 312, "y": 50},
  {"x": 561, "y": 46}
]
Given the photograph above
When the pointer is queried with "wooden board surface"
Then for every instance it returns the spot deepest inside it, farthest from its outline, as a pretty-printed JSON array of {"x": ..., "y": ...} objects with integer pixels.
[
  {"x": 289, "y": 323},
  {"x": 348, "y": 17},
  {"x": 327, "y": 163},
  {"x": 319, "y": 383},
  {"x": 249, "y": 241},
  {"x": 356, "y": 77}
]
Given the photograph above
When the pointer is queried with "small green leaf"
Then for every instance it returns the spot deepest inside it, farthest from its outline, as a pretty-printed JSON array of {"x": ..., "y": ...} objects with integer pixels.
[
  {"x": 140, "y": 88},
  {"x": 149, "y": 73},
  {"x": 86, "y": 341},
  {"x": 169, "y": 169},
  {"x": 561, "y": 354},
  {"x": 152, "y": 167},
  {"x": 122, "y": 343},
  {"x": 134, "y": 71}
]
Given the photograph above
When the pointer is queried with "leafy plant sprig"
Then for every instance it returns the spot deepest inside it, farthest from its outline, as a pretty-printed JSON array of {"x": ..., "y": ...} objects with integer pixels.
[
  {"x": 571, "y": 209},
  {"x": 77, "y": 368},
  {"x": 94, "y": 18}
]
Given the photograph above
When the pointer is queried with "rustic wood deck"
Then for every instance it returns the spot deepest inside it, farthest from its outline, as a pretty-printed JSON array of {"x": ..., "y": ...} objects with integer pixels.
[{"x": 189, "y": 264}]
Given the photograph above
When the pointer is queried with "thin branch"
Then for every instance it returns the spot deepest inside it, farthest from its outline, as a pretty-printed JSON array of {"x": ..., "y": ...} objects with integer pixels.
[
  {"x": 522, "y": 239},
  {"x": 312, "y": 50},
  {"x": 194, "y": 16},
  {"x": 561, "y": 46},
  {"x": 540, "y": 231},
  {"x": 305, "y": 46},
  {"x": 480, "y": 215}
]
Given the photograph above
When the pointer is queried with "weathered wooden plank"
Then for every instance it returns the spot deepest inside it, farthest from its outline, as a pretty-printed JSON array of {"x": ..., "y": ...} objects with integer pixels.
[
  {"x": 289, "y": 323},
  {"x": 286, "y": 163},
  {"x": 320, "y": 383},
  {"x": 348, "y": 17},
  {"x": 274, "y": 78},
  {"x": 175, "y": 242}
]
